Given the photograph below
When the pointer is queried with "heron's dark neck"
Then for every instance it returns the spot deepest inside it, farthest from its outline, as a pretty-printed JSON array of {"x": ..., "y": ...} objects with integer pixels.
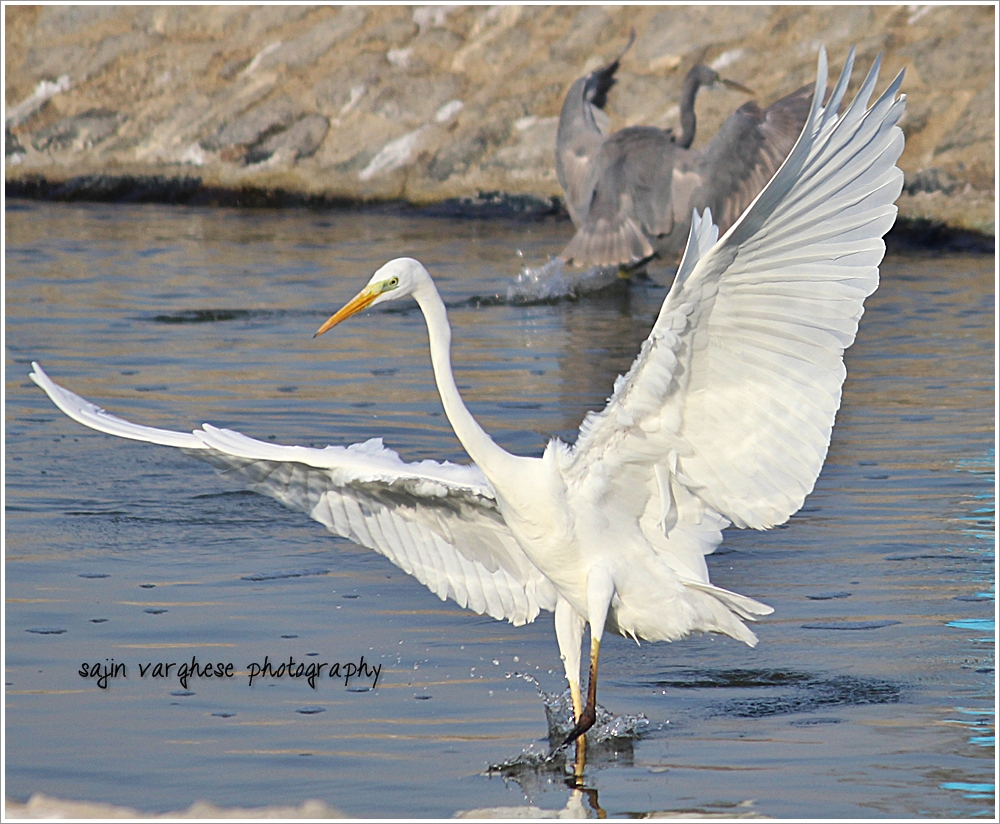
[{"x": 691, "y": 85}]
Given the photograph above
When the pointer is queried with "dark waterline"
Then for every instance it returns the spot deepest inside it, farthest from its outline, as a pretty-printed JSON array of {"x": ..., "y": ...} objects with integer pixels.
[{"x": 909, "y": 235}]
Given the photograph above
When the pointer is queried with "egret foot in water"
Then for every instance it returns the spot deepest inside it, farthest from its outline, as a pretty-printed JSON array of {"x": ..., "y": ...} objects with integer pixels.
[
  {"x": 583, "y": 723},
  {"x": 585, "y": 719}
]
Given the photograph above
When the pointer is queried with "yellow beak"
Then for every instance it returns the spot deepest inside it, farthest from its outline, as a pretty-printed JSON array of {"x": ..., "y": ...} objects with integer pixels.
[{"x": 362, "y": 300}]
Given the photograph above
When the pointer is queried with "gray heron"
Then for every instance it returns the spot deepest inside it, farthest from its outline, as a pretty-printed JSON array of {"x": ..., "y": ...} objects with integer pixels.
[{"x": 631, "y": 193}]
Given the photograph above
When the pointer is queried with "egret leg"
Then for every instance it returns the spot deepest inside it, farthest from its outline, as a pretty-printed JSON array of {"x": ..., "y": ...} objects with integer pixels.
[
  {"x": 569, "y": 634},
  {"x": 589, "y": 715},
  {"x": 600, "y": 589},
  {"x": 580, "y": 757}
]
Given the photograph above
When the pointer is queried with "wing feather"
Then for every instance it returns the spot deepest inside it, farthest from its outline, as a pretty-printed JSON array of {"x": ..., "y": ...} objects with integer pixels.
[
  {"x": 581, "y": 132},
  {"x": 628, "y": 199},
  {"x": 438, "y": 522},
  {"x": 735, "y": 391}
]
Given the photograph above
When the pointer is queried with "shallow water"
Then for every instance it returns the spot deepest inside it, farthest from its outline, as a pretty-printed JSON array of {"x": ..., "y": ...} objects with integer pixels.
[{"x": 869, "y": 695}]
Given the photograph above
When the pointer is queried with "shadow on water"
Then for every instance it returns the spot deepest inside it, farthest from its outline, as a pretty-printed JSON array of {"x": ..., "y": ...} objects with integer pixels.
[
  {"x": 213, "y": 315},
  {"x": 611, "y": 743},
  {"x": 798, "y": 692},
  {"x": 542, "y": 294}
]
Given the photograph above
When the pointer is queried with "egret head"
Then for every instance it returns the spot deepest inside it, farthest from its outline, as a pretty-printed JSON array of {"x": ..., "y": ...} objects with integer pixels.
[{"x": 397, "y": 279}]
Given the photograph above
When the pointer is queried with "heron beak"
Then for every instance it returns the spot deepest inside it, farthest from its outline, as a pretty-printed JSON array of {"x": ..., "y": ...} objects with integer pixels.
[
  {"x": 732, "y": 84},
  {"x": 362, "y": 300}
]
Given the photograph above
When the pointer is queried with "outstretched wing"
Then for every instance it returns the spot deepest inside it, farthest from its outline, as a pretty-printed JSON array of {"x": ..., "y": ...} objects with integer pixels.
[
  {"x": 731, "y": 401},
  {"x": 582, "y": 127},
  {"x": 630, "y": 199},
  {"x": 746, "y": 152},
  {"x": 438, "y": 522}
]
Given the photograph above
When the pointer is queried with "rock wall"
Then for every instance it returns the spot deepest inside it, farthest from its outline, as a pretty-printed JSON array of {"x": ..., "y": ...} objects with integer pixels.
[{"x": 430, "y": 103}]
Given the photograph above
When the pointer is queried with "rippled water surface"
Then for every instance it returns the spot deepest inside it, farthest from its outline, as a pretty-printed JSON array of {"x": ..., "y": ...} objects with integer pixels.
[{"x": 869, "y": 695}]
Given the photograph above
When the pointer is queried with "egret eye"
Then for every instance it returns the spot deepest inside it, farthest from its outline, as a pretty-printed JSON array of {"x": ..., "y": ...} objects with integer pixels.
[{"x": 392, "y": 283}]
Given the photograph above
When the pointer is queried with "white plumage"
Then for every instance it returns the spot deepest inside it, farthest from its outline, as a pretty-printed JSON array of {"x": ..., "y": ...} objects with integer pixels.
[
  {"x": 436, "y": 521},
  {"x": 725, "y": 417}
]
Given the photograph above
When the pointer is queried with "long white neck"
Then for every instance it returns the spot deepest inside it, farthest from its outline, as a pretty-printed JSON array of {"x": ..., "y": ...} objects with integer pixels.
[{"x": 494, "y": 461}]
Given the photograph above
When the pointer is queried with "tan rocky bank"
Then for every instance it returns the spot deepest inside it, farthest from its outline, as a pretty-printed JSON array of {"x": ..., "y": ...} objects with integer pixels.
[{"x": 430, "y": 103}]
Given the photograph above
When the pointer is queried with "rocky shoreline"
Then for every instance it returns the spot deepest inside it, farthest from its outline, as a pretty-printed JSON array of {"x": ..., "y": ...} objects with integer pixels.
[
  {"x": 907, "y": 235},
  {"x": 449, "y": 109}
]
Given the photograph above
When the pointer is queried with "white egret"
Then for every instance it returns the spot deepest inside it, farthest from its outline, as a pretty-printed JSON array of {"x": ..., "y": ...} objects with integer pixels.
[{"x": 724, "y": 418}]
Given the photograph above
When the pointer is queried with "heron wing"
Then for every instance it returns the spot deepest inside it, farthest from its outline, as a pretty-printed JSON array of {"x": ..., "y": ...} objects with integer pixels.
[
  {"x": 439, "y": 522},
  {"x": 731, "y": 401},
  {"x": 746, "y": 152},
  {"x": 580, "y": 134},
  {"x": 630, "y": 199},
  {"x": 581, "y": 131}
]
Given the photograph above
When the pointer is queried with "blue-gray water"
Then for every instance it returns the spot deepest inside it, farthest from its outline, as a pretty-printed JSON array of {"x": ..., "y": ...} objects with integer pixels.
[{"x": 173, "y": 316}]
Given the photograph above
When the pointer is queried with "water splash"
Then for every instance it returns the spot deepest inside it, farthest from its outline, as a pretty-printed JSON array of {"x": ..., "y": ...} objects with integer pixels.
[
  {"x": 559, "y": 716},
  {"x": 555, "y": 281},
  {"x": 609, "y": 740}
]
